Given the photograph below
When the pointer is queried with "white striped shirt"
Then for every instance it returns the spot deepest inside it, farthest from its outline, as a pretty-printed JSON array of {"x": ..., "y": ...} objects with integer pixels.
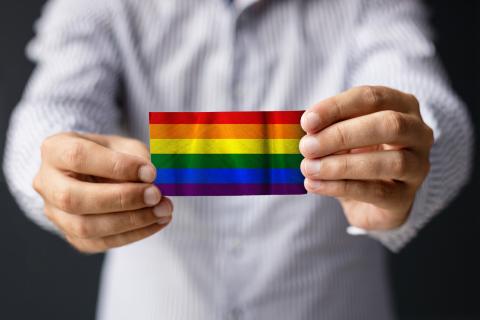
[{"x": 255, "y": 257}]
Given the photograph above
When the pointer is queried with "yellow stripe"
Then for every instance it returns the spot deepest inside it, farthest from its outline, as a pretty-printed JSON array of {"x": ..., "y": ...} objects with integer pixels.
[{"x": 224, "y": 146}]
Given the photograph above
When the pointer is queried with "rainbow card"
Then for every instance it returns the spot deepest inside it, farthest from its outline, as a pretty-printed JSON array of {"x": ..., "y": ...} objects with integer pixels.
[{"x": 227, "y": 153}]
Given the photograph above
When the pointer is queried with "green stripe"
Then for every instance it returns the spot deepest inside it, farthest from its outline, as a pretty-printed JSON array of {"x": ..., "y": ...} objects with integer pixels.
[{"x": 226, "y": 160}]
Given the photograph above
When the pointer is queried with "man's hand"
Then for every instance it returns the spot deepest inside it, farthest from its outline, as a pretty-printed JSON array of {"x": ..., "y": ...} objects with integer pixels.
[
  {"x": 368, "y": 147},
  {"x": 97, "y": 190}
]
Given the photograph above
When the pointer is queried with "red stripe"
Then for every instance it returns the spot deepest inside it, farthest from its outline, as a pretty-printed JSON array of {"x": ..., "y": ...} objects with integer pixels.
[{"x": 235, "y": 117}]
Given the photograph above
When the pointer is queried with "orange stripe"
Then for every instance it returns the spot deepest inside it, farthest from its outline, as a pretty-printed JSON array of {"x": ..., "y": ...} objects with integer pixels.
[{"x": 226, "y": 131}]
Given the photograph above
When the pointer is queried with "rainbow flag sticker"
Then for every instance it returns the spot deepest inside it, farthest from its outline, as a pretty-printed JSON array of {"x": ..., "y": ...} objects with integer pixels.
[{"x": 227, "y": 153}]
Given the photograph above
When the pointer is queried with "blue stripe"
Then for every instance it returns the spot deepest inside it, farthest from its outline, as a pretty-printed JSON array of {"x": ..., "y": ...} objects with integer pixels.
[{"x": 242, "y": 175}]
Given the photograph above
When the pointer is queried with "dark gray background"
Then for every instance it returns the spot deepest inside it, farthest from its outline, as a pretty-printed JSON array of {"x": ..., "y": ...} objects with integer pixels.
[{"x": 435, "y": 277}]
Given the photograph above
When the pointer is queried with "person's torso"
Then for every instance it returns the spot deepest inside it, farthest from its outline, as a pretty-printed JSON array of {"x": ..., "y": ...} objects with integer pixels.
[{"x": 249, "y": 257}]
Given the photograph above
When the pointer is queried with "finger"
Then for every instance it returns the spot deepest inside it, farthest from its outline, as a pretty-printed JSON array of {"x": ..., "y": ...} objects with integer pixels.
[
  {"x": 384, "y": 127},
  {"x": 76, "y": 154},
  {"x": 109, "y": 242},
  {"x": 131, "y": 146},
  {"x": 121, "y": 144},
  {"x": 96, "y": 226},
  {"x": 356, "y": 102},
  {"x": 400, "y": 165},
  {"x": 79, "y": 197},
  {"x": 380, "y": 193}
]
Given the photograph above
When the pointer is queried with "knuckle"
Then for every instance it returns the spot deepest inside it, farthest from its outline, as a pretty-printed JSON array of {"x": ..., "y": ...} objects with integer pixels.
[
  {"x": 63, "y": 198},
  {"x": 119, "y": 167},
  {"x": 395, "y": 123},
  {"x": 342, "y": 137},
  {"x": 82, "y": 229},
  {"x": 337, "y": 108},
  {"x": 81, "y": 245},
  {"x": 121, "y": 198},
  {"x": 430, "y": 136},
  {"x": 69, "y": 134},
  {"x": 74, "y": 155},
  {"x": 344, "y": 166},
  {"x": 373, "y": 95},
  {"x": 415, "y": 104},
  {"x": 52, "y": 142},
  {"x": 133, "y": 219},
  {"x": 424, "y": 166},
  {"x": 45, "y": 147},
  {"x": 399, "y": 164},
  {"x": 48, "y": 213},
  {"x": 36, "y": 183},
  {"x": 108, "y": 242}
]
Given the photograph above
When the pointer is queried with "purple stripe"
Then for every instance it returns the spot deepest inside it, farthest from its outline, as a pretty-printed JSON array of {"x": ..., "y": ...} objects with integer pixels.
[{"x": 229, "y": 189}]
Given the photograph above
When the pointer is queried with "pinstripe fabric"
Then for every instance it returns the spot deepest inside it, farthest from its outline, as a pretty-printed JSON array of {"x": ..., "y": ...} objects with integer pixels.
[{"x": 276, "y": 257}]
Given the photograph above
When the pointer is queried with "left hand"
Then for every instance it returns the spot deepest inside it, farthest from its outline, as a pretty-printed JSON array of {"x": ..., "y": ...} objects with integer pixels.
[{"x": 369, "y": 148}]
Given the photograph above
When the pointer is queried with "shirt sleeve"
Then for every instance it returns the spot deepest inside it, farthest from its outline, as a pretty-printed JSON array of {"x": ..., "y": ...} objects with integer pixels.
[
  {"x": 73, "y": 88},
  {"x": 393, "y": 47}
]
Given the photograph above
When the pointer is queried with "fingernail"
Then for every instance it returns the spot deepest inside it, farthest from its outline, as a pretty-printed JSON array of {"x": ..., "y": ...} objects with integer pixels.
[
  {"x": 314, "y": 184},
  {"x": 164, "y": 220},
  {"x": 146, "y": 173},
  {"x": 311, "y": 167},
  {"x": 164, "y": 209},
  {"x": 308, "y": 145},
  {"x": 151, "y": 196},
  {"x": 303, "y": 167},
  {"x": 310, "y": 121}
]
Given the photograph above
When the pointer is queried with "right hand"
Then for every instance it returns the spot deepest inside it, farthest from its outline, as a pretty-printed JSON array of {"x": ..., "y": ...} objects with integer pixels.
[{"x": 98, "y": 190}]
